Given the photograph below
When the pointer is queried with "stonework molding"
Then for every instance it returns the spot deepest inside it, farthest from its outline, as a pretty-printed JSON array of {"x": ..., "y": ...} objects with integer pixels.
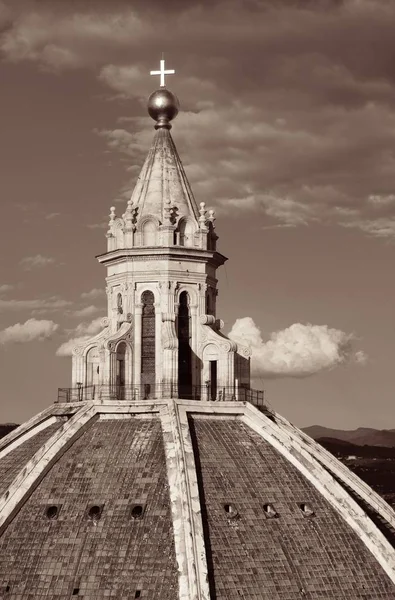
[
  {"x": 145, "y": 219},
  {"x": 26, "y": 435},
  {"x": 208, "y": 335},
  {"x": 169, "y": 338},
  {"x": 148, "y": 287},
  {"x": 78, "y": 350},
  {"x": 96, "y": 341},
  {"x": 244, "y": 350},
  {"x": 118, "y": 223},
  {"x": 190, "y": 289},
  {"x": 207, "y": 319},
  {"x": 124, "y": 334},
  {"x": 185, "y": 505}
]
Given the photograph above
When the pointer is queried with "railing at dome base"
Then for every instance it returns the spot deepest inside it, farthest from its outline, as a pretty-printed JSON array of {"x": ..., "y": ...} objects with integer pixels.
[{"x": 135, "y": 393}]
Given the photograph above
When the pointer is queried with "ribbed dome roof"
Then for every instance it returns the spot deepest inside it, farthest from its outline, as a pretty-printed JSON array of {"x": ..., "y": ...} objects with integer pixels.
[{"x": 184, "y": 499}]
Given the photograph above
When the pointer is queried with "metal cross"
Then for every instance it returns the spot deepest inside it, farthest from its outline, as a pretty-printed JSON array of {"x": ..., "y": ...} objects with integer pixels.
[{"x": 162, "y": 73}]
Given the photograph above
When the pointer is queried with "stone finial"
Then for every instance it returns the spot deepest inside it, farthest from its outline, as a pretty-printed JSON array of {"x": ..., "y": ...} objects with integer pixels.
[
  {"x": 202, "y": 218},
  {"x": 212, "y": 216},
  {"x": 112, "y": 214},
  {"x": 128, "y": 214},
  {"x": 166, "y": 211}
]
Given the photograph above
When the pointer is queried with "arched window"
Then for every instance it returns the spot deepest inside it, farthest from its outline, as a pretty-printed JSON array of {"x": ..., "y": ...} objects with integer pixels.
[
  {"x": 92, "y": 367},
  {"x": 184, "y": 347},
  {"x": 120, "y": 371},
  {"x": 148, "y": 343},
  {"x": 187, "y": 231},
  {"x": 149, "y": 233}
]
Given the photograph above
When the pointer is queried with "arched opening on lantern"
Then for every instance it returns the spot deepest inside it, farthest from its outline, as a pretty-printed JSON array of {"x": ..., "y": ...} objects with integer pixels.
[
  {"x": 184, "y": 347},
  {"x": 120, "y": 371},
  {"x": 187, "y": 231},
  {"x": 93, "y": 367},
  {"x": 149, "y": 230},
  {"x": 148, "y": 345}
]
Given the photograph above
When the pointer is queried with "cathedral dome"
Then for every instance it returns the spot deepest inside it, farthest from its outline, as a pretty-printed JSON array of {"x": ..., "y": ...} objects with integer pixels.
[{"x": 160, "y": 474}]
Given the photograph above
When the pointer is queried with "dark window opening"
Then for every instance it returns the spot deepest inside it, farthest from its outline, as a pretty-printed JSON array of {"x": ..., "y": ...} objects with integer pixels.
[
  {"x": 121, "y": 371},
  {"x": 231, "y": 511},
  {"x": 76, "y": 591},
  {"x": 119, "y": 304},
  {"x": 270, "y": 511},
  {"x": 148, "y": 341},
  {"x": 184, "y": 332},
  {"x": 137, "y": 594},
  {"x": 213, "y": 380},
  {"x": 94, "y": 513},
  {"x": 306, "y": 509},
  {"x": 7, "y": 588},
  {"x": 52, "y": 512},
  {"x": 137, "y": 511}
]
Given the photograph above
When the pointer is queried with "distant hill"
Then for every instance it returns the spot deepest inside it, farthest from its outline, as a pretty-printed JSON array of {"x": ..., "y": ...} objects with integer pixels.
[
  {"x": 6, "y": 428},
  {"x": 363, "y": 436},
  {"x": 342, "y": 449}
]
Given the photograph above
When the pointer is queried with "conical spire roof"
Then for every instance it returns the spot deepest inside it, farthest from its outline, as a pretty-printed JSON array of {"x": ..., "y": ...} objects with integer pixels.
[{"x": 163, "y": 183}]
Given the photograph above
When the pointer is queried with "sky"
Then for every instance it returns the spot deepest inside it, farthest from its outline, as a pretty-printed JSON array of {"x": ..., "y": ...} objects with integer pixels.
[{"x": 286, "y": 129}]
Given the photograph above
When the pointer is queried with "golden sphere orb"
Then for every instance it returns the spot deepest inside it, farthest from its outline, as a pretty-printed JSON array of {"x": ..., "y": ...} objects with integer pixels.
[{"x": 163, "y": 107}]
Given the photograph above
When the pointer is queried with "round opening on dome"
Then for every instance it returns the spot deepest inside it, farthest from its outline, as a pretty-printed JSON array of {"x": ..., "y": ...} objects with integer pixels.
[
  {"x": 52, "y": 512},
  {"x": 94, "y": 512},
  {"x": 137, "y": 511},
  {"x": 270, "y": 511},
  {"x": 306, "y": 509},
  {"x": 231, "y": 511}
]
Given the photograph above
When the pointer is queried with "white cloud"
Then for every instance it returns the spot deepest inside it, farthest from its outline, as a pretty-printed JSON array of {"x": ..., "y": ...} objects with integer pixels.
[
  {"x": 298, "y": 351},
  {"x": 307, "y": 134},
  {"x": 38, "y": 304},
  {"x": 31, "y": 330},
  {"x": 91, "y": 328},
  {"x": 80, "y": 334},
  {"x": 36, "y": 262},
  {"x": 128, "y": 80},
  {"x": 98, "y": 225},
  {"x": 6, "y": 288},
  {"x": 384, "y": 227},
  {"x": 60, "y": 40},
  {"x": 85, "y": 312},
  {"x": 66, "y": 349},
  {"x": 93, "y": 294},
  {"x": 52, "y": 215}
]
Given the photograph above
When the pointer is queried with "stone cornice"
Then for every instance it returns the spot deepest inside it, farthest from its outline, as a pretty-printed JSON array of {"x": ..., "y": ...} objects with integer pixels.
[{"x": 158, "y": 253}]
